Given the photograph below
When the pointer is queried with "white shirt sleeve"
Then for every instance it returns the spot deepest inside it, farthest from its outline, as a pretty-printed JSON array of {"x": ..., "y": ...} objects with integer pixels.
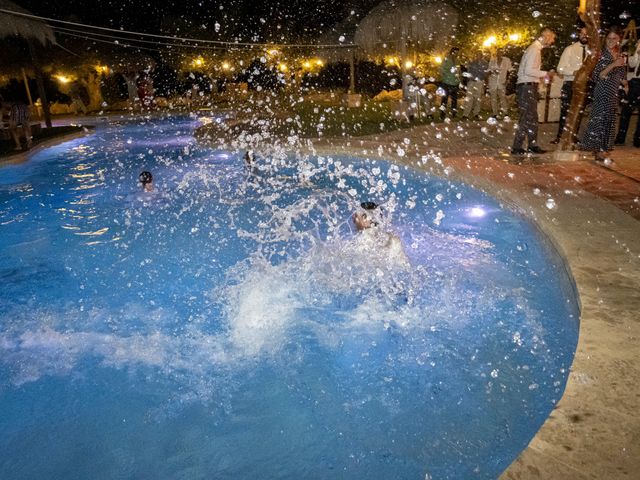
[
  {"x": 532, "y": 61},
  {"x": 564, "y": 63}
]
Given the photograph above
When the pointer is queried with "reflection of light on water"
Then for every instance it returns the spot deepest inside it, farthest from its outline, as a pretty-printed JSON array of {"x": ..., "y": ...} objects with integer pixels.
[
  {"x": 476, "y": 212},
  {"x": 102, "y": 231}
]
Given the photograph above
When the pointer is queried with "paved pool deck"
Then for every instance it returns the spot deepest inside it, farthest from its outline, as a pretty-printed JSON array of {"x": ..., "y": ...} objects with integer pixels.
[{"x": 594, "y": 221}]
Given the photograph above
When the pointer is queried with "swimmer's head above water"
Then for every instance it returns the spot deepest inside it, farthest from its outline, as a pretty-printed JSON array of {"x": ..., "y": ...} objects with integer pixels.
[
  {"x": 365, "y": 218},
  {"x": 146, "y": 179}
]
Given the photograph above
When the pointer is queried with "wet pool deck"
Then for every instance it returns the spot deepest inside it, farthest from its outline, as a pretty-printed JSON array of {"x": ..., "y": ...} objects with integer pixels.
[{"x": 594, "y": 432}]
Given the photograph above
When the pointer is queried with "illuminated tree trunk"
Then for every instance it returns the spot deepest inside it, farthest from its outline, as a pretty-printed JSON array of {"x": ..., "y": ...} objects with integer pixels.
[
  {"x": 132, "y": 86},
  {"x": 40, "y": 83},
  {"x": 403, "y": 63},
  {"x": 590, "y": 14},
  {"x": 352, "y": 72},
  {"x": 92, "y": 84}
]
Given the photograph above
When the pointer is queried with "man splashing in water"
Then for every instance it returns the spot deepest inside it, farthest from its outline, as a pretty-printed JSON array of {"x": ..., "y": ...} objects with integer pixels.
[{"x": 367, "y": 220}]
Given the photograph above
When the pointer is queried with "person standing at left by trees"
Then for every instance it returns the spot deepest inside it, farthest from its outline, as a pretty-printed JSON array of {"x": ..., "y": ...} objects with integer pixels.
[
  {"x": 450, "y": 82},
  {"x": 477, "y": 71}
]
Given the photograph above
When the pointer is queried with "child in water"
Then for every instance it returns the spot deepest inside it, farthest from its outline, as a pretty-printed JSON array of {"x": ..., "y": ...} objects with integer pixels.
[{"x": 146, "y": 179}]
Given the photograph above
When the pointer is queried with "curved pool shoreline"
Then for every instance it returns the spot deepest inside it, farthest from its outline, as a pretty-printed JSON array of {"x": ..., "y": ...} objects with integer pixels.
[{"x": 593, "y": 431}]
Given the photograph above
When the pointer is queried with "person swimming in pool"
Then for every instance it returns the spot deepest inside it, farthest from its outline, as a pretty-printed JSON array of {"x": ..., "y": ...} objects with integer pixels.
[
  {"x": 146, "y": 179},
  {"x": 367, "y": 219},
  {"x": 249, "y": 159}
]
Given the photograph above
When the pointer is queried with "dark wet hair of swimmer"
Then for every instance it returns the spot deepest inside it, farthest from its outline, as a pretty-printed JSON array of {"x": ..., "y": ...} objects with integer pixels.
[
  {"x": 369, "y": 205},
  {"x": 146, "y": 179}
]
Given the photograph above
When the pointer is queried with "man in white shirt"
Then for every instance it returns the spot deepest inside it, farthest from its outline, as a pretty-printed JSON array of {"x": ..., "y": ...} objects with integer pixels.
[
  {"x": 529, "y": 76},
  {"x": 499, "y": 68},
  {"x": 633, "y": 101},
  {"x": 570, "y": 62}
]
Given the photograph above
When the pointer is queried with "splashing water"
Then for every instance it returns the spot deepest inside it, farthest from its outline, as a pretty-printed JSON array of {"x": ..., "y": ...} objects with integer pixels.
[{"x": 233, "y": 323}]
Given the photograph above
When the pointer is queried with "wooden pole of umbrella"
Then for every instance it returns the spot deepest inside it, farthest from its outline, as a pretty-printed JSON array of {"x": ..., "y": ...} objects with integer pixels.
[{"x": 40, "y": 82}]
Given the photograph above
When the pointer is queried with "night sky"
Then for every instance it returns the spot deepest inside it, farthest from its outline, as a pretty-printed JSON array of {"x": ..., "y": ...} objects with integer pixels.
[
  {"x": 248, "y": 20},
  {"x": 243, "y": 20}
]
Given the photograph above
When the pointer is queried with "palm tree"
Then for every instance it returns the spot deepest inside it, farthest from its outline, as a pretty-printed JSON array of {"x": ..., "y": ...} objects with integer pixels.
[
  {"x": 16, "y": 24},
  {"x": 396, "y": 26}
]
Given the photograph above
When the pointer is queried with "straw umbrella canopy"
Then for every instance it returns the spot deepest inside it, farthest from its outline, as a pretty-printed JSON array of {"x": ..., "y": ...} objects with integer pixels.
[
  {"x": 395, "y": 26},
  {"x": 33, "y": 31}
]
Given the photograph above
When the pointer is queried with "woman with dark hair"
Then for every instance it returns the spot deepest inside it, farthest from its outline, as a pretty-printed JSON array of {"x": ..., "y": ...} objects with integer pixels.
[{"x": 607, "y": 77}]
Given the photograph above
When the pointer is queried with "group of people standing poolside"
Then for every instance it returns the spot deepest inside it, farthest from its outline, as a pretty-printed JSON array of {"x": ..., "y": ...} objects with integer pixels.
[
  {"x": 614, "y": 76},
  {"x": 608, "y": 76},
  {"x": 479, "y": 73}
]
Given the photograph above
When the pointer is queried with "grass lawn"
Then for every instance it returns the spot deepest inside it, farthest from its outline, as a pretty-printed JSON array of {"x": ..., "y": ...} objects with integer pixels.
[{"x": 308, "y": 119}]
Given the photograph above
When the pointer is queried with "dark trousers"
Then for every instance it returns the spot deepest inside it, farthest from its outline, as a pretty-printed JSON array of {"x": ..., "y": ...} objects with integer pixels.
[
  {"x": 450, "y": 91},
  {"x": 527, "y": 97},
  {"x": 565, "y": 102},
  {"x": 633, "y": 102}
]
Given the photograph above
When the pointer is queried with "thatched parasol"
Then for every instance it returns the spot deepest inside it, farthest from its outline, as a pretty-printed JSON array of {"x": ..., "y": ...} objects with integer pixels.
[
  {"x": 395, "y": 26},
  {"x": 31, "y": 30},
  {"x": 27, "y": 28}
]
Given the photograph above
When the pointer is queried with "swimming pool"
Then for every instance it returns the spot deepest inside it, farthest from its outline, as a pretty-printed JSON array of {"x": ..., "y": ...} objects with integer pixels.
[{"x": 233, "y": 324}]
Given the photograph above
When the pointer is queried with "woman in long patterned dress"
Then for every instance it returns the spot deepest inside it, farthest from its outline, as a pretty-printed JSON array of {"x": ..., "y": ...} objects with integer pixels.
[{"x": 607, "y": 77}]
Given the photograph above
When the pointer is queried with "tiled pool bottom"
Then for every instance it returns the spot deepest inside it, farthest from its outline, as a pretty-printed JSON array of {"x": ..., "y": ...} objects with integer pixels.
[{"x": 168, "y": 333}]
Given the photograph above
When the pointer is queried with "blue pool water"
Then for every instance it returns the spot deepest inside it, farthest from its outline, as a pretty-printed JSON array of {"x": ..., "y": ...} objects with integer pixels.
[{"x": 234, "y": 325}]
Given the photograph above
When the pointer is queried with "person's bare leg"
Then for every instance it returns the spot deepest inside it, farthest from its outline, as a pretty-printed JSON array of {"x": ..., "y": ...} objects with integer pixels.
[
  {"x": 13, "y": 130},
  {"x": 26, "y": 128}
]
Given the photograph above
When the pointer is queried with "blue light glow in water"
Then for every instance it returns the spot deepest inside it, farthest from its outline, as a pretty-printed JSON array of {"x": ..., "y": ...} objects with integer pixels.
[{"x": 232, "y": 324}]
